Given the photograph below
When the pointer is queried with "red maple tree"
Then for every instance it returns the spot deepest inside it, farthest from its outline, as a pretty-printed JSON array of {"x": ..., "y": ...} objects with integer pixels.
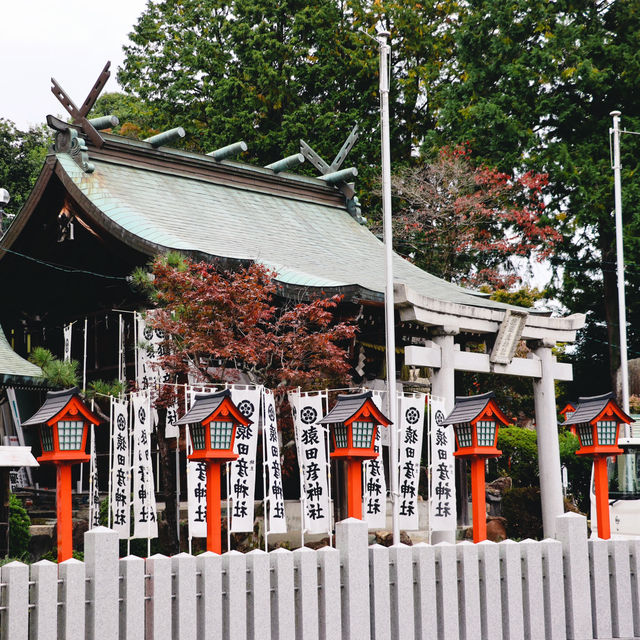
[
  {"x": 222, "y": 323},
  {"x": 466, "y": 223}
]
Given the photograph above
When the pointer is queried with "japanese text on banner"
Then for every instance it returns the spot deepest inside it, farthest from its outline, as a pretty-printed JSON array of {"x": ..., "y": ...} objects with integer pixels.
[
  {"x": 94, "y": 493},
  {"x": 274, "y": 497},
  {"x": 145, "y": 523},
  {"x": 411, "y": 419},
  {"x": 374, "y": 495},
  {"x": 311, "y": 442},
  {"x": 149, "y": 349},
  {"x": 120, "y": 467},
  {"x": 442, "y": 512},
  {"x": 243, "y": 469}
]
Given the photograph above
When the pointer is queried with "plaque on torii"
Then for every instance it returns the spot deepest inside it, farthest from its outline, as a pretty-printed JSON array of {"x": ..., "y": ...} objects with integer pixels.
[{"x": 80, "y": 115}]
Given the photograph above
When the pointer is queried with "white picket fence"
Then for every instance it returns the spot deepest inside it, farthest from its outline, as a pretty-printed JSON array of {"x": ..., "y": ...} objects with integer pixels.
[{"x": 566, "y": 588}]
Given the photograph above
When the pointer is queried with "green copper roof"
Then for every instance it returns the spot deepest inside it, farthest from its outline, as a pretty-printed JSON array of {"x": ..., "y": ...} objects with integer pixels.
[
  {"x": 309, "y": 243},
  {"x": 13, "y": 368}
]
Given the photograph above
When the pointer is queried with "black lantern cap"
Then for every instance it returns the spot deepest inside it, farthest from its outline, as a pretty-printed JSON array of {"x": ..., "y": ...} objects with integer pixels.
[
  {"x": 468, "y": 408},
  {"x": 347, "y": 405},
  {"x": 205, "y": 404},
  {"x": 589, "y": 408},
  {"x": 53, "y": 404}
]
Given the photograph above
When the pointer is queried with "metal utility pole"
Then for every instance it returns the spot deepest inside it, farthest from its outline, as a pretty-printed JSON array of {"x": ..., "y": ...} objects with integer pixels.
[
  {"x": 389, "y": 305},
  {"x": 622, "y": 315}
]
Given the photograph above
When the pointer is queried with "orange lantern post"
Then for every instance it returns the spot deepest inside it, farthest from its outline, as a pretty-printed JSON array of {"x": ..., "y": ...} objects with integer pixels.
[
  {"x": 64, "y": 421},
  {"x": 475, "y": 421},
  {"x": 213, "y": 420},
  {"x": 597, "y": 420},
  {"x": 353, "y": 424}
]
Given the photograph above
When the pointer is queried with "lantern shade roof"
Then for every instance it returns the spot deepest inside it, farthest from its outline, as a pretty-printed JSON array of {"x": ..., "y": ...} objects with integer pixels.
[
  {"x": 468, "y": 408},
  {"x": 347, "y": 406},
  {"x": 589, "y": 408},
  {"x": 207, "y": 403},
  {"x": 54, "y": 403}
]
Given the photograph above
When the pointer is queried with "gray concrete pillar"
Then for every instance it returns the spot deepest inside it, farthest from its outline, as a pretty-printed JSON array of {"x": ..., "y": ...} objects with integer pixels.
[{"x": 544, "y": 396}]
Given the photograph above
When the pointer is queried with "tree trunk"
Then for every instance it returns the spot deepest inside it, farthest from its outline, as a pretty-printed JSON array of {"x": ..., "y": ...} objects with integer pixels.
[{"x": 168, "y": 479}]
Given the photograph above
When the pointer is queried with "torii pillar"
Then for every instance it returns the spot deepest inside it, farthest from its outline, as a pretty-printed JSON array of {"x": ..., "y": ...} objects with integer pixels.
[
  {"x": 443, "y": 385},
  {"x": 544, "y": 397}
]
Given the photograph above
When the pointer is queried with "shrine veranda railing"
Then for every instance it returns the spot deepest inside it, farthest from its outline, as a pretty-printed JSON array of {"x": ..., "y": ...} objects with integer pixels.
[{"x": 569, "y": 587}]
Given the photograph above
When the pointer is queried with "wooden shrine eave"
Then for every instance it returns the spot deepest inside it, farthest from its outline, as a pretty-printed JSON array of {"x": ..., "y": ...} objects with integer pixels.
[{"x": 455, "y": 318}]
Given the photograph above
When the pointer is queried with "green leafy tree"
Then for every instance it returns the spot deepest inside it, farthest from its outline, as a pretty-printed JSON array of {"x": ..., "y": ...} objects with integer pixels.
[
  {"x": 136, "y": 117},
  {"x": 19, "y": 523},
  {"x": 57, "y": 373},
  {"x": 272, "y": 73},
  {"x": 534, "y": 83},
  {"x": 21, "y": 156}
]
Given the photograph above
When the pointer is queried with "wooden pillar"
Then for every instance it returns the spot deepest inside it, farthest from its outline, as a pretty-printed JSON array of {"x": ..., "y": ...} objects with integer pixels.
[
  {"x": 63, "y": 507},
  {"x": 478, "y": 499},
  {"x": 354, "y": 489},
  {"x": 214, "y": 511},
  {"x": 602, "y": 496}
]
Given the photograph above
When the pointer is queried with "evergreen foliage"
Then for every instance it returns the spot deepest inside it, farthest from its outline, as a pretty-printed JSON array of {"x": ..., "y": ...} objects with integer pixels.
[
  {"x": 57, "y": 373},
  {"x": 19, "y": 523}
]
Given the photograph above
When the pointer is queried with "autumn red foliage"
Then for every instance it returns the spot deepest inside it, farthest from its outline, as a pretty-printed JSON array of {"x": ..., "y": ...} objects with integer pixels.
[
  {"x": 221, "y": 324},
  {"x": 466, "y": 223}
]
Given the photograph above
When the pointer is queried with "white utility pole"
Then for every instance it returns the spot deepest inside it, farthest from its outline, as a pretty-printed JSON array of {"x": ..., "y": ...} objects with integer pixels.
[
  {"x": 389, "y": 305},
  {"x": 622, "y": 315}
]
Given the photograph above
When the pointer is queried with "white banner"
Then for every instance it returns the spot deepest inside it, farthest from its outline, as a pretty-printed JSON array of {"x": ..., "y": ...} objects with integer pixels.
[
  {"x": 67, "y": 342},
  {"x": 273, "y": 469},
  {"x": 374, "y": 494},
  {"x": 145, "y": 524},
  {"x": 411, "y": 420},
  {"x": 442, "y": 512},
  {"x": 120, "y": 493},
  {"x": 172, "y": 430},
  {"x": 94, "y": 493},
  {"x": 196, "y": 495},
  {"x": 149, "y": 350},
  {"x": 196, "y": 478},
  {"x": 243, "y": 470},
  {"x": 312, "y": 446}
]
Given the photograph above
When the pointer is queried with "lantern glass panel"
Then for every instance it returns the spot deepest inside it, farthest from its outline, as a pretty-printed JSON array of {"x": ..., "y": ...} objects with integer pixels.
[
  {"x": 197, "y": 436},
  {"x": 70, "y": 434},
  {"x": 362, "y": 434},
  {"x": 463, "y": 432},
  {"x": 221, "y": 433},
  {"x": 341, "y": 435},
  {"x": 607, "y": 431},
  {"x": 585, "y": 433},
  {"x": 486, "y": 430},
  {"x": 46, "y": 433}
]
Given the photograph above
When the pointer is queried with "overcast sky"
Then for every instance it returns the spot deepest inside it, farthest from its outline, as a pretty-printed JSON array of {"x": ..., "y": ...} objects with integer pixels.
[{"x": 70, "y": 41}]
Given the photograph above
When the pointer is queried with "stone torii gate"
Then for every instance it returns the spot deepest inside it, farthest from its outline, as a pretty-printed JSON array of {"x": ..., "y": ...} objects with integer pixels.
[{"x": 443, "y": 355}]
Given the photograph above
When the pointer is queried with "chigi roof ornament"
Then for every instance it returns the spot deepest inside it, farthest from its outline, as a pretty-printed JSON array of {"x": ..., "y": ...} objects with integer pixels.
[
  {"x": 332, "y": 175},
  {"x": 68, "y": 138}
]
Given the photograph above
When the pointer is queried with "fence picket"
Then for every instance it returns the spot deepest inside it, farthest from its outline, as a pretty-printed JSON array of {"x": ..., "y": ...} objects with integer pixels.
[
  {"x": 490, "y": 605},
  {"x": 425, "y": 617},
  {"x": 447, "y": 591},
  {"x": 132, "y": 596},
  {"x": 44, "y": 597},
  {"x": 15, "y": 576},
  {"x": 159, "y": 591},
  {"x": 71, "y": 615},
  {"x": 209, "y": 566},
  {"x": 330, "y": 596},
  {"x": 306, "y": 595},
  {"x": 234, "y": 620},
  {"x": 259, "y": 595},
  {"x": 469, "y": 591},
  {"x": 600, "y": 588},
  {"x": 511, "y": 573},
  {"x": 532, "y": 590},
  {"x": 184, "y": 612},
  {"x": 380, "y": 603},
  {"x": 283, "y": 621},
  {"x": 553, "y": 586},
  {"x": 621, "y": 604}
]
